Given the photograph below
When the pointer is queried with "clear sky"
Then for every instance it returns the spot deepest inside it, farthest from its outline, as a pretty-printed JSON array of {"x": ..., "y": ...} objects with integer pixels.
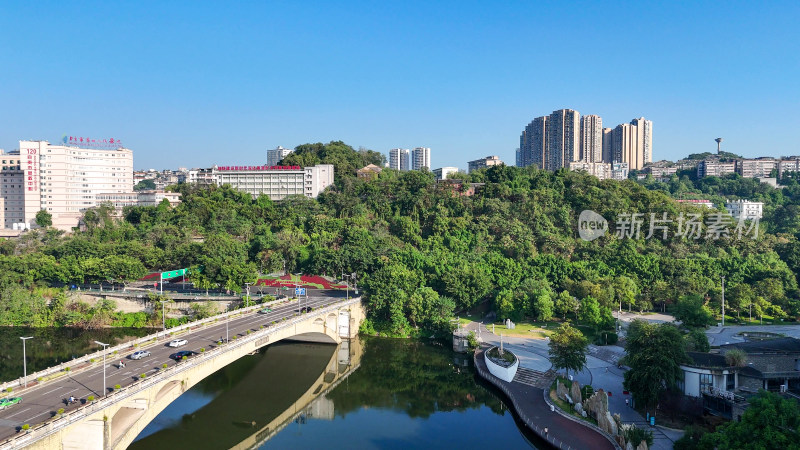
[{"x": 201, "y": 83}]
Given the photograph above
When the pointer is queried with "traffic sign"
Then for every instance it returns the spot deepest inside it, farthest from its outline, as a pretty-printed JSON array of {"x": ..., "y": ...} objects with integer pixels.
[
  {"x": 300, "y": 291},
  {"x": 173, "y": 274}
]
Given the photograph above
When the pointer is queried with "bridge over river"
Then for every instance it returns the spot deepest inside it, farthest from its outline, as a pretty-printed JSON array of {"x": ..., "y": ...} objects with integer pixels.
[{"x": 116, "y": 419}]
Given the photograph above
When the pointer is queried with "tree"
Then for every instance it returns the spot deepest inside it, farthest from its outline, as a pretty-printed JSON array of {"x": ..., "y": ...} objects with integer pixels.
[
  {"x": 44, "y": 219},
  {"x": 566, "y": 303},
  {"x": 567, "y": 348},
  {"x": 736, "y": 357},
  {"x": 148, "y": 184},
  {"x": 654, "y": 353},
  {"x": 543, "y": 306},
  {"x": 692, "y": 311},
  {"x": 696, "y": 341},
  {"x": 770, "y": 422},
  {"x": 590, "y": 312}
]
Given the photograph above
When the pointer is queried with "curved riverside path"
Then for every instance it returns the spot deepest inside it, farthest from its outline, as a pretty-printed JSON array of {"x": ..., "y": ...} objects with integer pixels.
[{"x": 534, "y": 412}]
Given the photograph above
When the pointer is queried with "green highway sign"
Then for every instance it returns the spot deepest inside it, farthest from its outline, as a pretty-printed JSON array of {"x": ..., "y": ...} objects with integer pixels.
[{"x": 174, "y": 274}]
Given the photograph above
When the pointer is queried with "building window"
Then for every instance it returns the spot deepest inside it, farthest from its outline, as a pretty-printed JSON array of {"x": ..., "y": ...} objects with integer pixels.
[{"x": 706, "y": 382}]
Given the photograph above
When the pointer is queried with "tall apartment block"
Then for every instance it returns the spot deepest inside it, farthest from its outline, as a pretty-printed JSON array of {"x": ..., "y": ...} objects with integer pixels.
[
  {"x": 398, "y": 159},
  {"x": 421, "y": 157},
  {"x": 62, "y": 179},
  {"x": 275, "y": 155},
  {"x": 591, "y": 139},
  {"x": 563, "y": 138},
  {"x": 533, "y": 144},
  {"x": 632, "y": 143},
  {"x": 608, "y": 144}
]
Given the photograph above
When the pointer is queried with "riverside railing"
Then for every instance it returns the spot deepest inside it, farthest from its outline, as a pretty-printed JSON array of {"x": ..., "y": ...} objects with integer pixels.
[{"x": 36, "y": 432}]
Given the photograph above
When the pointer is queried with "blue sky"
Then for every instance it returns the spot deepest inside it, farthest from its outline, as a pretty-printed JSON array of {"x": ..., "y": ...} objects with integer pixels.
[{"x": 202, "y": 83}]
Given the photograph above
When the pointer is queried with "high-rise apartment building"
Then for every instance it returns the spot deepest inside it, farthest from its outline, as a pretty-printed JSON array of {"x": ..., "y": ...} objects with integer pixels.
[
  {"x": 632, "y": 143},
  {"x": 563, "y": 138},
  {"x": 608, "y": 144},
  {"x": 591, "y": 139},
  {"x": 533, "y": 144},
  {"x": 62, "y": 179},
  {"x": 398, "y": 159},
  {"x": 274, "y": 156},
  {"x": 421, "y": 157}
]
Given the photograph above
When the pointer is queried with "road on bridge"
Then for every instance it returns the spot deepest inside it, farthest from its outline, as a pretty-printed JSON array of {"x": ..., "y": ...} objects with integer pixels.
[{"x": 41, "y": 402}]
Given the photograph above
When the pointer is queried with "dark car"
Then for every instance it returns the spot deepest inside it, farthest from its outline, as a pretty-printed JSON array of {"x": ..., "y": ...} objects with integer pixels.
[{"x": 179, "y": 356}]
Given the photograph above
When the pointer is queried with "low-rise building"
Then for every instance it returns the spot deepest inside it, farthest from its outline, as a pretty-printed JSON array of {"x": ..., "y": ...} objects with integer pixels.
[
  {"x": 756, "y": 168},
  {"x": 443, "y": 172},
  {"x": 488, "y": 161},
  {"x": 619, "y": 171},
  {"x": 700, "y": 203},
  {"x": 744, "y": 209},
  {"x": 715, "y": 168},
  {"x": 277, "y": 182},
  {"x": 369, "y": 172},
  {"x": 598, "y": 169},
  {"x": 791, "y": 164},
  {"x": 724, "y": 385}
]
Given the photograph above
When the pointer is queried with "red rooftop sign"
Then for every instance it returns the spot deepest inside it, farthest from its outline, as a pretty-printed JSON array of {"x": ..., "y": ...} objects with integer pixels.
[
  {"x": 85, "y": 142},
  {"x": 259, "y": 168}
]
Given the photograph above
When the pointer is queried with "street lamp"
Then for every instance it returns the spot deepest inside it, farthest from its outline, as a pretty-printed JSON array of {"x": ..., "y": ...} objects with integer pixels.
[
  {"x": 104, "y": 365},
  {"x": 723, "y": 300},
  {"x": 163, "y": 314},
  {"x": 247, "y": 286},
  {"x": 25, "y": 360}
]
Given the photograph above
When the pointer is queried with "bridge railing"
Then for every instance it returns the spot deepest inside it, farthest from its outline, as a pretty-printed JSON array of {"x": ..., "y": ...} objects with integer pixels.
[
  {"x": 39, "y": 431},
  {"x": 18, "y": 384}
]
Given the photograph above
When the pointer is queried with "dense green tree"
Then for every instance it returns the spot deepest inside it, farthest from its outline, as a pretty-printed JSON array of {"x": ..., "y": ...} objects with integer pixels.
[
  {"x": 590, "y": 312},
  {"x": 654, "y": 354},
  {"x": 566, "y": 303},
  {"x": 692, "y": 311},
  {"x": 567, "y": 348},
  {"x": 770, "y": 422},
  {"x": 44, "y": 219}
]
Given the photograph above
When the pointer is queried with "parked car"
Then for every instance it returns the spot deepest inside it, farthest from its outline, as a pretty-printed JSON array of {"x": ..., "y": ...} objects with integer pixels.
[
  {"x": 179, "y": 355},
  {"x": 140, "y": 354},
  {"x": 264, "y": 311},
  {"x": 9, "y": 401},
  {"x": 178, "y": 342}
]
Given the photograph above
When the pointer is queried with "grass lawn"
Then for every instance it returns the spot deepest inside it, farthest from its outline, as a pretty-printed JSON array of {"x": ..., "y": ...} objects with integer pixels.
[{"x": 535, "y": 330}]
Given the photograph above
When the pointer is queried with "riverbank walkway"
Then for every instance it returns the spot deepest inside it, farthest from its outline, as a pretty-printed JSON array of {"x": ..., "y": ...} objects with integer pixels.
[{"x": 529, "y": 404}]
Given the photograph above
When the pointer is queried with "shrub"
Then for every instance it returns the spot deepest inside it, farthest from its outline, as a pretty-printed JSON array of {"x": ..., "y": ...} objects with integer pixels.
[
  {"x": 219, "y": 342},
  {"x": 116, "y": 387},
  {"x": 184, "y": 358},
  {"x": 116, "y": 351},
  {"x": 60, "y": 411},
  {"x": 635, "y": 436},
  {"x": 202, "y": 349},
  {"x": 586, "y": 391},
  {"x": 143, "y": 376},
  {"x": 90, "y": 398},
  {"x": 26, "y": 427},
  {"x": 66, "y": 369},
  {"x": 736, "y": 357},
  {"x": 164, "y": 366},
  {"x": 472, "y": 341},
  {"x": 8, "y": 389},
  {"x": 91, "y": 361},
  {"x": 38, "y": 378},
  {"x": 248, "y": 331},
  {"x": 236, "y": 336}
]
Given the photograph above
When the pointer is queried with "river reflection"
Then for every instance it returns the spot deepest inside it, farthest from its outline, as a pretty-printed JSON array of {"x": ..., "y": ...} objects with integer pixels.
[{"x": 372, "y": 393}]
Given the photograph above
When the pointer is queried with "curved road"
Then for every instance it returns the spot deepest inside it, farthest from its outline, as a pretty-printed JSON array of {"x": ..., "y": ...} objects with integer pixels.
[{"x": 41, "y": 402}]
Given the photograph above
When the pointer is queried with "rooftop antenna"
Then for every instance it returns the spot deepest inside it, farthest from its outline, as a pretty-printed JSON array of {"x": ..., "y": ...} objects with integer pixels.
[{"x": 718, "y": 141}]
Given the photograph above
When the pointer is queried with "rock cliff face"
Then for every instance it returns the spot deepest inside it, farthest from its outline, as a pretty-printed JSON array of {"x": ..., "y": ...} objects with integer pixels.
[
  {"x": 575, "y": 392},
  {"x": 597, "y": 405},
  {"x": 562, "y": 392}
]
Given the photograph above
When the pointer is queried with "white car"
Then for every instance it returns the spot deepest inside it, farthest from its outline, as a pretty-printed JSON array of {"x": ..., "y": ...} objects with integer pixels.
[
  {"x": 140, "y": 354},
  {"x": 178, "y": 342}
]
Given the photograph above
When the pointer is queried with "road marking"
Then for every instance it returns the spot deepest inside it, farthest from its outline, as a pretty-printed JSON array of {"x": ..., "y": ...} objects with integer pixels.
[
  {"x": 19, "y": 412},
  {"x": 50, "y": 392}
]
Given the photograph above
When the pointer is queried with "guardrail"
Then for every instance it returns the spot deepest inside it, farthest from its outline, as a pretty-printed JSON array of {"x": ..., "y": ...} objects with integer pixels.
[
  {"x": 19, "y": 383},
  {"x": 66, "y": 419}
]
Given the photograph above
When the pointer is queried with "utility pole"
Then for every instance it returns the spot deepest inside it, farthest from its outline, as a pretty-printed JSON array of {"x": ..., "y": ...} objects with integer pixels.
[
  {"x": 25, "y": 360},
  {"x": 723, "y": 300}
]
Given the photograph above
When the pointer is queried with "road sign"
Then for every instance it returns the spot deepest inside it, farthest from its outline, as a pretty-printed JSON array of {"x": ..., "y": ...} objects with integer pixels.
[
  {"x": 173, "y": 274},
  {"x": 300, "y": 291}
]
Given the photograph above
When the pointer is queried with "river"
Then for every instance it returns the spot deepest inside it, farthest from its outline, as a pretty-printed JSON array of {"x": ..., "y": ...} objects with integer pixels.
[{"x": 374, "y": 393}]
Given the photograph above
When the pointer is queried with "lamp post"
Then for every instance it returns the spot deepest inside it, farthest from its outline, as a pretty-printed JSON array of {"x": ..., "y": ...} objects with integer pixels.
[
  {"x": 247, "y": 286},
  {"x": 723, "y": 300},
  {"x": 163, "y": 314},
  {"x": 25, "y": 360},
  {"x": 104, "y": 365}
]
